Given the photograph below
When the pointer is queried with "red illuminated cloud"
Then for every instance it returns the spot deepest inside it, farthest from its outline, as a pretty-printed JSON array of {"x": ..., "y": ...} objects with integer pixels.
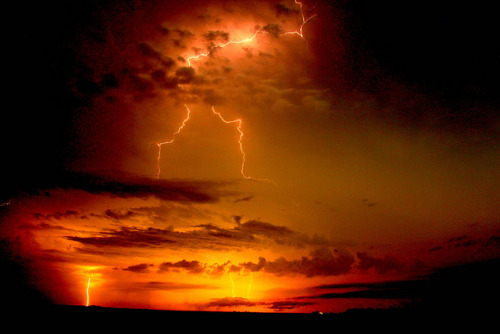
[
  {"x": 205, "y": 236},
  {"x": 278, "y": 305},
  {"x": 323, "y": 262},
  {"x": 139, "y": 268}
]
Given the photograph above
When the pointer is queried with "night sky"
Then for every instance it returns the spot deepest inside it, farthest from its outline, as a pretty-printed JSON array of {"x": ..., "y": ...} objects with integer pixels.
[{"x": 370, "y": 147}]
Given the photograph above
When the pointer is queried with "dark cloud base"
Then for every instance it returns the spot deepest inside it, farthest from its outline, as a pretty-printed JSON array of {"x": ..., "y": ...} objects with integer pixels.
[
  {"x": 463, "y": 290},
  {"x": 116, "y": 184}
]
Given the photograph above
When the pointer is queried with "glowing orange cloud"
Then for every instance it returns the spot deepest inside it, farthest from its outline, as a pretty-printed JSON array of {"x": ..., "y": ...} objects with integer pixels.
[
  {"x": 247, "y": 40},
  {"x": 239, "y": 121}
]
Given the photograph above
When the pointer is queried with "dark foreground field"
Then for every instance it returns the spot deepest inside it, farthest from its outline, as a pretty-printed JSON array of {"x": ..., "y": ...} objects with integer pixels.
[{"x": 64, "y": 318}]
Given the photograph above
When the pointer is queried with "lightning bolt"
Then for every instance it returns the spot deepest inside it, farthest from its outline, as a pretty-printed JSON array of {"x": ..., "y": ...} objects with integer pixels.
[
  {"x": 172, "y": 140},
  {"x": 232, "y": 283},
  {"x": 250, "y": 285},
  {"x": 88, "y": 288},
  {"x": 5, "y": 204},
  {"x": 248, "y": 40},
  {"x": 240, "y": 141},
  {"x": 304, "y": 21},
  {"x": 213, "y": 48},
  {"x": 189, "y": 59}
]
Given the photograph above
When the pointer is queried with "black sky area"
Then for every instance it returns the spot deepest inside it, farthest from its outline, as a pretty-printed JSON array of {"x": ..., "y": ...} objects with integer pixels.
[
  {"x": 436, "y": 62},
  {"x": 449, "y": 47}
]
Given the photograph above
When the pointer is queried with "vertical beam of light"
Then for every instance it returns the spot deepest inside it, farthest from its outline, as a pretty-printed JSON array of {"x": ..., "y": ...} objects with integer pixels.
[
  {"x": 250, "y": 285},
  {"x": 88, "y": 296},
  {"x": 232, "y": 283},
  {"x": 171, "y": 141}
]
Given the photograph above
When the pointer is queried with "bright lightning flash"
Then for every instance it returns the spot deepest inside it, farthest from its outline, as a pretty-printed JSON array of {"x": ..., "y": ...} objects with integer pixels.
[
  {"x": 250, "y": 285},
  {"x": 243, "y": 41},
  {"x": 232, "y": 283},
  {"x": 240, "y": 141},
  {"x": 304, "y": 21},
  {"x": 238, "y": 121},
  {"x": 172, "y": 140},
  {"x": 88, "y": 288}
]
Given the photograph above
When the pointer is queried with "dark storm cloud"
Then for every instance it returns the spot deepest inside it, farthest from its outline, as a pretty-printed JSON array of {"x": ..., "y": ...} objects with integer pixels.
[
  {"x": 386, "y": 290},
  {"x": 479, "y": 244},
  {"x": 184, "y": 75},
  {"x": 167, "y": 286},
  {"x": 181, "y": 36},
  {"x": 188, "y": 266},
  {"x": 147, "y": 51},
  {"x": 43, "y": 226},
  {"x": 58, "y": 215},
  {"x": 284, "y": 9},
  {"x": 256, "y": 227},
  {"x": 254, "y": 266},
  {"x": 227, "y": 234},
  {"x": 139, "y": 268},
  {"x": 232, "y": 302},
  {"x": 118, "y": 215},
  {"x": 208, "y": 236},
  {"x": 256, "y": 232},
  {"x": 322, "y": 262},
  {"x": 153, "y": 213},
  {"x": 239, "y": 301},
  {"x": 127, "y": 237},
  {"x": 216, "y": 35},
  {"x": 463, "y": 289},
  {"x": 367, "y": 203},
  {"x": 243, "y": 199},
  {"x": 193, "y": 267},
  {"x": 288, "y": 304},
  {"x": 130, "y": 186},
  {"x": 218, "y": 269},
  {"x": 212, "y": 97},
  {"x": 379, "y": 265},
  {"x": 273, "y": 29},
  {"x": 184, "y": 33}
]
